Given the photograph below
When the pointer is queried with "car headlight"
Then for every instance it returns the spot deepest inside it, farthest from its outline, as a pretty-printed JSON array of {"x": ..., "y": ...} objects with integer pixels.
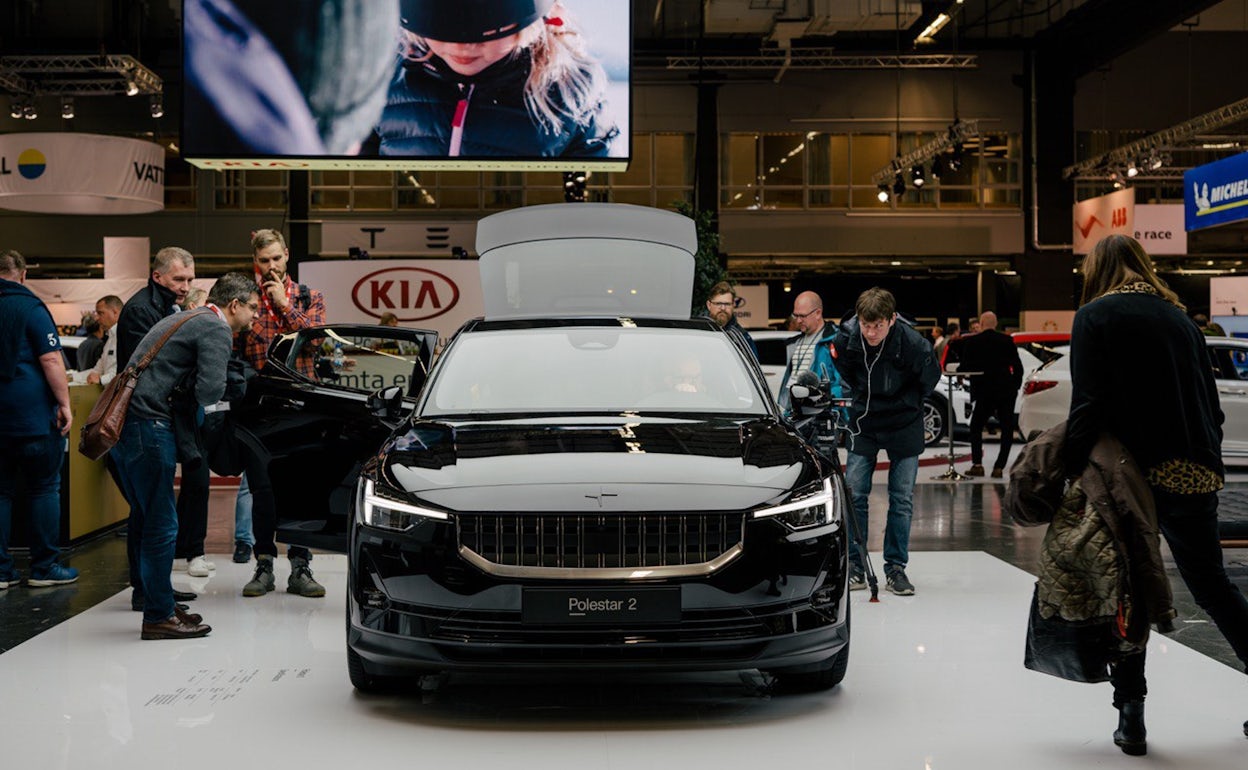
[
  {"x": 378, "y": 510},
  {"x": 815, "y": 506}
]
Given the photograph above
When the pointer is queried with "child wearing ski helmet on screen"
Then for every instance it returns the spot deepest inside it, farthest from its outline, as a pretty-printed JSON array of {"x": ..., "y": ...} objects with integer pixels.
[{"x": 480, "y": 78}]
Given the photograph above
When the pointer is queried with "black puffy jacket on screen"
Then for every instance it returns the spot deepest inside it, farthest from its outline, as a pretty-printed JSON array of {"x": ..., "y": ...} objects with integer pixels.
[{"x": 423, "y": 97}]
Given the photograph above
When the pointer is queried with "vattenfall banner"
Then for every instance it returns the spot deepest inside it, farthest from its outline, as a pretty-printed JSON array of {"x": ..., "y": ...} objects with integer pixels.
[
  {"x": 1216, "y": 193},
  {"x": 61, "y": 173}
]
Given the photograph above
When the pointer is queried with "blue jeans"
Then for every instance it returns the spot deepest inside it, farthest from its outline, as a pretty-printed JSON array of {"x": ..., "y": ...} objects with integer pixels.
[
  {"x": 37, "y": 460},
  {"x": 242, "y": 513},
  {"x": 146, "y": 457},
  {"x": 902, "y": 474}
]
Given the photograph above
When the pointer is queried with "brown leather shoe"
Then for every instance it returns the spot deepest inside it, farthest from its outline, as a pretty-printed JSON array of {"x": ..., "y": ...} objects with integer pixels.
[
  {"x": 187, "y": 618},
  {"x": 975, "y": 470},
  {"x": 998, "y": 473},
  {"x": 174, "y": 628}
]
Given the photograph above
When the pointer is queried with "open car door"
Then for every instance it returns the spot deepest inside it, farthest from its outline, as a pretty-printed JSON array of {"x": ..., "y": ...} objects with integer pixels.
[{"x": 308, "y": 411}]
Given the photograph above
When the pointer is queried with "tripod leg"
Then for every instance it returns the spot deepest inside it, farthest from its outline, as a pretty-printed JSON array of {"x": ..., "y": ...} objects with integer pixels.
[{"x": 860, "y": 538}]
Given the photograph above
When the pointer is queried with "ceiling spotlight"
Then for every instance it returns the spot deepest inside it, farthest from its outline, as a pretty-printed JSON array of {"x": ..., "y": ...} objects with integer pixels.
[
  {"x": 15, "y": 110},
  {"x": 936, "y": 168},
  {"x": 882, "y": 195},
  {"x": 67, "y": 107},
  {"x": 916, "y": 176},
  {"x": 30, "y": 112},
  {"x": 1155, "y": 162},
  {"x": 899, "y": 184},
  {"x": 1132, "y": 170},
  {"x": 158, "y": 107},
  {"x": 955, "y": 158},
  {"x": 132, "y": 88}
]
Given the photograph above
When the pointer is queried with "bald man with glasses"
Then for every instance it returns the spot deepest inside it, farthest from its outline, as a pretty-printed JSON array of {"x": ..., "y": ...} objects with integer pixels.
[{"x": 812, "y": 349}]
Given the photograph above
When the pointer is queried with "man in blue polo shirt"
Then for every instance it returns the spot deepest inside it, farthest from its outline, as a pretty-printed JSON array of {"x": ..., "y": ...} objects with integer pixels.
[{"x": 34, "y": 420}]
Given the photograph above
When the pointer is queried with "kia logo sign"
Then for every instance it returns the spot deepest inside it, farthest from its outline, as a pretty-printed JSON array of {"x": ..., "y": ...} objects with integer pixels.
[{"x": 411, "y": 293}]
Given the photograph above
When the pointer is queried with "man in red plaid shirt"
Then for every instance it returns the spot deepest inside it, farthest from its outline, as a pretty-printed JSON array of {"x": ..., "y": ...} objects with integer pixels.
[{"x": 285, "y": 306}]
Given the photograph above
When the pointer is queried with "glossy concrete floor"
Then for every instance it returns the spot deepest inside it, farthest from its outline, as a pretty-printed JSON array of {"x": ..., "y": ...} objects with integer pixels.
[{"x": 935, "y": 681}]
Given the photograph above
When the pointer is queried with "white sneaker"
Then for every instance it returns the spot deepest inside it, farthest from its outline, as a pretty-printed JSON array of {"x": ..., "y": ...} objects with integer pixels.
[{"x": 199, "y": 567}]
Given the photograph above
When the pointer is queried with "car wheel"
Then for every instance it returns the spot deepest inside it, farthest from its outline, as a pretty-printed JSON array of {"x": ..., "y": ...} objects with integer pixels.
[
  {"x": 935, "y": 420},
  {"x": 363, "y": 681},
  {"x": 821, "y": 676}
]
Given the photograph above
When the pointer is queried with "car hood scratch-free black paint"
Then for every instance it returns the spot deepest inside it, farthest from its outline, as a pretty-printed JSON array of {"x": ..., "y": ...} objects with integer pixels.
[{"x": 613, "y": 465}]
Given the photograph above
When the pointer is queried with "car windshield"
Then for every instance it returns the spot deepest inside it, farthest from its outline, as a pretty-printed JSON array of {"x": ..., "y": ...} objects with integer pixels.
[{"x": 593, "y": 369}]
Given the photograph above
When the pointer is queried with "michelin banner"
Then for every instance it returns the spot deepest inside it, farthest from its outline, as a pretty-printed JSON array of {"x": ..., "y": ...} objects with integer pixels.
[
  {"x": 1216, "y": 193},
  {"x": 63, "y": 173}
]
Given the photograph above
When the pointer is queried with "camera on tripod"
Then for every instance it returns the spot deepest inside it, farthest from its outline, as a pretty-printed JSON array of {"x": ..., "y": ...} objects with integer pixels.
[{"x": 816, "y": 415}]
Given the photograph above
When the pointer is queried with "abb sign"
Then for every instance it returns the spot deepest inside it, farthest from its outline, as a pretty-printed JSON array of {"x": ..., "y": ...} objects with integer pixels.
[
  {"x": 1095, "y": 218},
  {"x": 411, "y": 293}
]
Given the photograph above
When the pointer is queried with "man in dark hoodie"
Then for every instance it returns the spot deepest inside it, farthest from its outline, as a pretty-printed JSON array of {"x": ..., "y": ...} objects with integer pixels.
[
  {"x": 34, "y": 420},
  {"x": 194, "y": 355},
  {"x": 173, "y": 269},
  {"x": 889, "y": 369}
]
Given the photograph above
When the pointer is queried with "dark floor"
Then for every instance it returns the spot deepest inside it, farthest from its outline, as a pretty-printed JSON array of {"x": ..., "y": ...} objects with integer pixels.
[{"x": 948, "y": 517}]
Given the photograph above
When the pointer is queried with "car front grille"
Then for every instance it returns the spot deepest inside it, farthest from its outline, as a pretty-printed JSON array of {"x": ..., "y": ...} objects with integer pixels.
[{"x": 537, "y": 543}]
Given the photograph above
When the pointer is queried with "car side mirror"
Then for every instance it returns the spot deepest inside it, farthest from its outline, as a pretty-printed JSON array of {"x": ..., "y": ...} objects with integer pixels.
[{"x": 387, "y": 404}]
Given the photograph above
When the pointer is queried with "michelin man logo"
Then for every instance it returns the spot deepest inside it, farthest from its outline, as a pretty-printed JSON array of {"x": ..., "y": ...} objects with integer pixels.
[{"x": 1201, "y": 193}]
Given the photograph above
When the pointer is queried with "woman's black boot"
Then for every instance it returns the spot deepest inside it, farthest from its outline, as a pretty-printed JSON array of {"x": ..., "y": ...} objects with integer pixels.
[{"x": 1131, "y": 733}]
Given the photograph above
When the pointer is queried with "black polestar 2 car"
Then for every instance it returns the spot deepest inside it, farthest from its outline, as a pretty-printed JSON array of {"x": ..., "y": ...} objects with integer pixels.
[{"x": 585, "y": 479}]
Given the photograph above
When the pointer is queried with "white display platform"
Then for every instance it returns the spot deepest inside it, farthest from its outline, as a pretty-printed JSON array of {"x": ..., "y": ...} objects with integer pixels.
[{"x": 935, "y": 681}]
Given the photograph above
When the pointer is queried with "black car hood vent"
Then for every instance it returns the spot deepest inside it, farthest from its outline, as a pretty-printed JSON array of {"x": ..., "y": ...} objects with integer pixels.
[
  {"x": 658, "y": 466},
  {"x": 433, "y": 445}
]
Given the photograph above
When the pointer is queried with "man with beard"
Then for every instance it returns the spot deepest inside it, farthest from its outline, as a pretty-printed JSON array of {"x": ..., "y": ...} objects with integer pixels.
[
  {"x": 721, "y": 306},
  {"x": 285, "y": 306}
]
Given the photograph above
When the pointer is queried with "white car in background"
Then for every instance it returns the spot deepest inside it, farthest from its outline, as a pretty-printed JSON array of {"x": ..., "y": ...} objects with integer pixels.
[
  {"x": 1033, "y": 351},
  {"x": 1046, "y": 393}
]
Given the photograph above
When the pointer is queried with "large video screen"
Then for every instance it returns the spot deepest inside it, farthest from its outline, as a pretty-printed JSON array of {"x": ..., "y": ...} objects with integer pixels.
[{"x": 407, "y": 84}]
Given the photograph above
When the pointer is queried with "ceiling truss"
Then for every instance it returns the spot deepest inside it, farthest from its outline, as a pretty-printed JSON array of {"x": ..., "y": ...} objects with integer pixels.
[{"x": 76, "y": 75}]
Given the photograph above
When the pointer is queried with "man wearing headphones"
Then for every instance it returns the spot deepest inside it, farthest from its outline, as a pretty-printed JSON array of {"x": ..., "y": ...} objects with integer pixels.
[{"x": 889, "y": 369}]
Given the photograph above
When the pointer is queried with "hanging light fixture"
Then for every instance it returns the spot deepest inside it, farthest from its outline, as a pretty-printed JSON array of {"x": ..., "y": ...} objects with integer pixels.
[
  {"x": 67, "y": 107},
  {"x": 882, "y": 195},
  {"x": 157, "y": 106},
  {"x": 917, "y": 177}
]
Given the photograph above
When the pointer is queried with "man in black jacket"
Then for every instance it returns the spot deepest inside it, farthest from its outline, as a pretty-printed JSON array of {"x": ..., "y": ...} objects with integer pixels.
[
  {"x": 994, "y": 391},
  {"x": 889, "y": 369},
  {"x": 173, "y": 269}
]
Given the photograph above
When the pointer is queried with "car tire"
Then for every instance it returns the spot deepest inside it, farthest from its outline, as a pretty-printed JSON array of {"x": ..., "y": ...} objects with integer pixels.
[
  {"x": 935, "y": 419},
  {"x": 821, "y": 676},
  {"x": 361, "y": 680}
]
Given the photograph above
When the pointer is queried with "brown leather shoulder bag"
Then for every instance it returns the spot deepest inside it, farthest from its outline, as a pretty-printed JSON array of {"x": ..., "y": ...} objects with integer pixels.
[{"x": 102, "y": 429}]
